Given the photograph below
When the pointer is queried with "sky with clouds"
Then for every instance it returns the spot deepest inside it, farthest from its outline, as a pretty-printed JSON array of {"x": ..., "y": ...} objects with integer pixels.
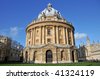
[{"x": 15, "y": 15}]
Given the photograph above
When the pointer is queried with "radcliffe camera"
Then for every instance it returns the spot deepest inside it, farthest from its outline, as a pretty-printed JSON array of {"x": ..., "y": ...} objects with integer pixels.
[{"x": 49, "y": 33}]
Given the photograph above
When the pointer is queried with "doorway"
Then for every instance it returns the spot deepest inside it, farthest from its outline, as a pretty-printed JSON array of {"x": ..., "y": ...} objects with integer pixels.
[
  {"x": 48, "y": 56},
  {"x": 26, "y": 56},
  {"x": 73, "y": 56}
]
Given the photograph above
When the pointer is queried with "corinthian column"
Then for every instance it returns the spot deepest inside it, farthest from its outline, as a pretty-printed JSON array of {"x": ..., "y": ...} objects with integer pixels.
[
  {"x": 26, "y": 38},
  {"x": 67, "y": 36},
  {"x": 72, "y": 37},
  {"x": 57, "y": 37},
  {"x": 43, "y": 35},
  {"x": 53, "y": 34},
  {"x": 64, "y": 36},
  {"x": 33, "y": 37},
  {"x": 40, "y": 35}
]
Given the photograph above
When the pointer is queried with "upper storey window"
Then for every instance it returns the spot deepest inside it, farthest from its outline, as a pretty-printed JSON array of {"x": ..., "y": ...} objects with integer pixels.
[
  {"x": 60, "y": 32},
  {"x": 49, "y": 31},
  {"x": 37, "y": 32},
  {"x": 49, "y": 40}
]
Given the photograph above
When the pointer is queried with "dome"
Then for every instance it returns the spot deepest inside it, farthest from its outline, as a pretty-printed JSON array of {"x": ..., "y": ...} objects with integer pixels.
[{"x": 50, "y": 11}]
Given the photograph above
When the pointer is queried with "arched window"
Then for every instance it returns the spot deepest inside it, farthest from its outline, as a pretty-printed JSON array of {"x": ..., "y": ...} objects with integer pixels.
[{"x": 49, "y": 31}]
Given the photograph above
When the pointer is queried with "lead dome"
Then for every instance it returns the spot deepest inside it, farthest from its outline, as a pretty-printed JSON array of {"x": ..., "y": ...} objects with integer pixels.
[{"x": 50, "y": 11}]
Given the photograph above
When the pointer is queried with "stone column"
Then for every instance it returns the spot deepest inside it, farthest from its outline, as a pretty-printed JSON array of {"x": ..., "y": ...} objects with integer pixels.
[
  {"x": 45, "y": 35},
  {"x": 42, "y": 34},
  {"x": 26, "y": 38},
  {"x": 57, "y": 36},
  {"x": 64, "y": 41},
  {"x": 69, "y": 55},
  {"x": 55, "y": 60},
  {"x": 43, "y": 56},
  {"x": 72, "y": 38},
  {"x": 33, "y": 37},
  {"x": 75, "y": 56},
  {"x": 53, "y": 34},
  {"x": 67, "y": 36}
]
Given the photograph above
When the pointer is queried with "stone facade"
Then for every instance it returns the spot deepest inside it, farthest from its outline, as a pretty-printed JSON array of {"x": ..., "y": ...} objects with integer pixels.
[
  {"x": 89, "y": 52},
  {"x": 50, "y": 39}
]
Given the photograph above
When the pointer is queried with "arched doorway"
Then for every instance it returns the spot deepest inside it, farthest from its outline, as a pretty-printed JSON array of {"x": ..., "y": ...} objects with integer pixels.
[
  {"x": 6, "y": 59},
  {"x": 26, "y": 56},
  {"x": 48, "y": 56},
  {"x": 73, "y": 56},
  {"x": 34, "y": 56},
  {"x": 62, "y": 55}
]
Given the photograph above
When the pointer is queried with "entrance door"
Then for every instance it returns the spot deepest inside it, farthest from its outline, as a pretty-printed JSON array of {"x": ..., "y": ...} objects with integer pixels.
[
  {"x": 26, "y": 56},
  {"x": 49, "y": 56},
  {"x": 73, "y": 56}
]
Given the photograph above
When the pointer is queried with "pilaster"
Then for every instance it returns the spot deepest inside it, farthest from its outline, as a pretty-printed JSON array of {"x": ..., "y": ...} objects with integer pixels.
[
  {"x": 67, "y": 36},
  {"x": 57, "y": 36},
  {"x": 43, "y": 35},
  {"x": 54, "y": 34},
  {"x": 64, "y": 41},
  {"x": 33, "y": 36},
  {"x": 72, "y": 38}
]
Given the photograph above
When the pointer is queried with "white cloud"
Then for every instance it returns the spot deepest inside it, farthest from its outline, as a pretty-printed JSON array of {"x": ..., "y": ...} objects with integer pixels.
[
  {"x": 13, "y": 31},
  {"x": 80, "y": 35}
]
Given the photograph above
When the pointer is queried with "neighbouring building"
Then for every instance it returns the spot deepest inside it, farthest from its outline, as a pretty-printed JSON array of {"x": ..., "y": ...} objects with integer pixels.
[
  {"x": 10, "y": 50},
  {"x": 50, "y": 39},
  {"x": 5, "y": 45},
  {"x": 16, "y": 52},
  {"x": 89, "y": 52}
]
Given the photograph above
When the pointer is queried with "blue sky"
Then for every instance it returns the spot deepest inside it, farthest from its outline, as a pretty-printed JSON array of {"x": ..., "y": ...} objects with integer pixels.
[{"x": 15, "y": 15}]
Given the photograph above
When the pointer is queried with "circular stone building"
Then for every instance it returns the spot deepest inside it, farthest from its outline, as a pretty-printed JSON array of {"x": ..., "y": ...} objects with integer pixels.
[{"x": 50, "y": 39}]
